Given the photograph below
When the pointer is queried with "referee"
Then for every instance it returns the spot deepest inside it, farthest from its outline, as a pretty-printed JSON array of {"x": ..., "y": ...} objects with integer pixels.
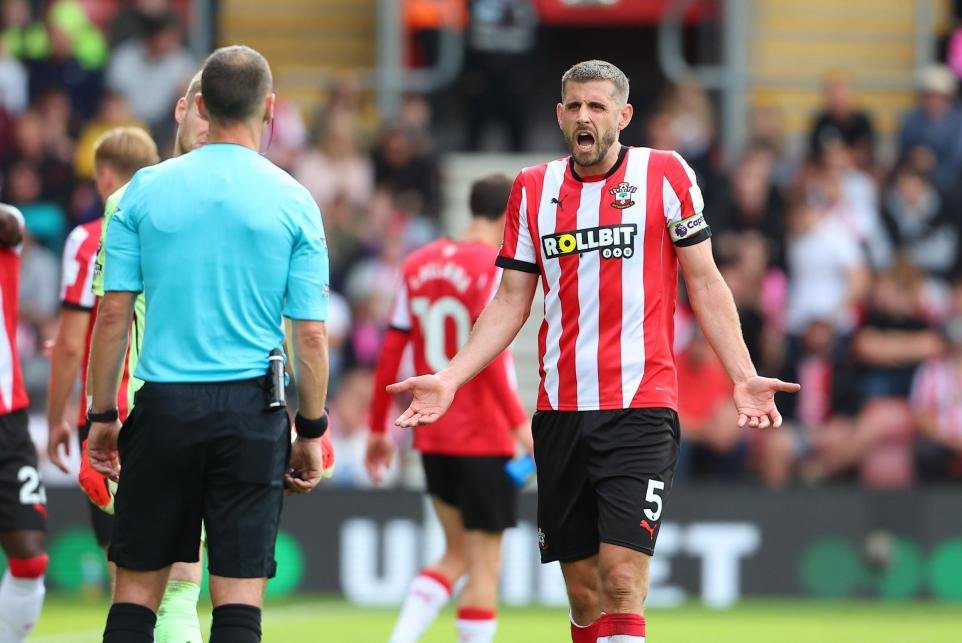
[{"x": 223, "y": 244}]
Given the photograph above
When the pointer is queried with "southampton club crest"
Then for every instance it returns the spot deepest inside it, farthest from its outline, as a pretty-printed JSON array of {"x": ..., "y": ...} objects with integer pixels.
[{"x": 622, "y": 193}]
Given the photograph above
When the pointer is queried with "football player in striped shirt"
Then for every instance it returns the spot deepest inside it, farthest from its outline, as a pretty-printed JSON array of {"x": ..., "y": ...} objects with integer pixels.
[
  {"x": 604, "y": 231},
  {"x": 23, "y": 500}
]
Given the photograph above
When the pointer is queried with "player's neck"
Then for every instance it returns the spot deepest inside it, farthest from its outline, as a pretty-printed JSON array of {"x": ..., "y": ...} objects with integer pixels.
[
  {"x": 483, "y": 231},
  {"x": 602, "y": 167},
  {"x": 246, "y": 134}
]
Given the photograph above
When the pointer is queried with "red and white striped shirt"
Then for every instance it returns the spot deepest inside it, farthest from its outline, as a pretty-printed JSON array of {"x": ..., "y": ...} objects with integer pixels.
[
  {"x": 79, "y": 258},
  {"x": 444, "y": 287},
  {"x": 604, "y": 249},
  {"x": 13, "y": 394}
]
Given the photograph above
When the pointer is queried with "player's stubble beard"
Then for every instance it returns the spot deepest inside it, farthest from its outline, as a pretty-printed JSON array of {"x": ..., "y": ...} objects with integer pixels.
[{"x": 602, "y": 145}]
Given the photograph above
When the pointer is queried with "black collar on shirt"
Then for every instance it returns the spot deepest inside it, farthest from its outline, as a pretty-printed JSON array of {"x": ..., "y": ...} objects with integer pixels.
[{"x": 614, "y": 168}]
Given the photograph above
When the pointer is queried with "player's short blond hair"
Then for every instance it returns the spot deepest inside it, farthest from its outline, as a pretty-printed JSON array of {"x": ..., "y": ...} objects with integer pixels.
[
  {"x": 125, "y": 150},
  {"x": 590, "y": 70}
]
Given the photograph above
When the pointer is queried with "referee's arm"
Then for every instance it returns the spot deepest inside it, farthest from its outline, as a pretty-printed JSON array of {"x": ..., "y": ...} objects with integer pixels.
[
  {"x": 310, "y": 366},
  {"x": 306, "y": 303}
]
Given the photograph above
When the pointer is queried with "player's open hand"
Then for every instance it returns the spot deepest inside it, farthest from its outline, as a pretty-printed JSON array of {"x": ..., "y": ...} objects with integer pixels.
[
  {"x": 755, "y": 401},
  {"x": 432, "y": 397},
  {"x": 102, "y": 448},
  {"x": 377, "y": 458},
  {"x": 58, "y": 433},
  {"x": 306, "y": 465}
]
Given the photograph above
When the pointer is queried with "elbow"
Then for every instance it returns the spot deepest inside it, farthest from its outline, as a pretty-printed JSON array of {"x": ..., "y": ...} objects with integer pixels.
[
  {"x": 112, "y": 315},
  {"x": 312, "y": 337}
]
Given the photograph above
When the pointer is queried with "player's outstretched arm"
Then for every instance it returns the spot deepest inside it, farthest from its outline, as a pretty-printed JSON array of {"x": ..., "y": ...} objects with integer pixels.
[
  {"x": 715, "y": 309},
  {"x": 497, "y": 326}
]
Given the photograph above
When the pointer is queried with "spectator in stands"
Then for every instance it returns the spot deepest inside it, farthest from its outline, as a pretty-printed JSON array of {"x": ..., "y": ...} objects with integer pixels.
[
  {"x": 132, "y": 21},
  {"x": 62, "y": 70},
  {"x": 918, "y": 223},
  {"x": 887, "y": 350},
  {"x": 751, "y": 202},
  {"x": 495, "y": 83},
  {"x": 937, "y": 409},
  {"x": 151, "y": 71},
  {"x": 13, "y": 83},
  {"x": 850, "y": 198},
  {"x": 400, "y": 166},
  {"x": 742, "y": 260},
  {"x": 334, "y": 167},
  {"x": 828, "y": 276},
  {"x": 60, "y": 123},
  {"x": 935, "y": 126},
  {"x": 23, "y": 37},
  {"x": 840, "y": 118},
  {"x": 349, "y": 427},
  {"x": 114, "y": 112},
  {"x": 54, "y": 177},
  {"x": 937, "y": 404}
]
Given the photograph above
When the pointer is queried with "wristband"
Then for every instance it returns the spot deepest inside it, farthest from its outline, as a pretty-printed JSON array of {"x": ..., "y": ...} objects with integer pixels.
[
  {"x": 107, "y": 416},
  {"x": 310, "y": 428}
]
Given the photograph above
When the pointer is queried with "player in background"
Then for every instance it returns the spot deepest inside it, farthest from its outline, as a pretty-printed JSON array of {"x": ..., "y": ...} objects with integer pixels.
[
  {"x": 177, "y": 620},
  {"x": 118, "y": 153},
  {"x": 444, "y": 287},
  {"x": 23, "y": 510},
  {"x": 605, "y": 230}
]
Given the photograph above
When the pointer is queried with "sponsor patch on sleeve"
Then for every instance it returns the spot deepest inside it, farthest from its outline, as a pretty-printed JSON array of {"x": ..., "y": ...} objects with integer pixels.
[{"x": 683, "y": 230}]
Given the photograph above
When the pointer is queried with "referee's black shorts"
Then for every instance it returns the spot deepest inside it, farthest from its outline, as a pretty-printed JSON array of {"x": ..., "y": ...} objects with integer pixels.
[
  {"x": 193, "y": 452},
  {"x": 603, "y": 477}
]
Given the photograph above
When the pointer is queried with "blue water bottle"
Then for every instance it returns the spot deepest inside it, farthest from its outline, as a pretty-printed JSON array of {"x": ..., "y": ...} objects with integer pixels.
[{"x": 520, "y": 469}]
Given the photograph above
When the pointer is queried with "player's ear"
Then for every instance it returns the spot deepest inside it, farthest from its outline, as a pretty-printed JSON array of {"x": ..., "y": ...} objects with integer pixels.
[
  {"x": 559, "y": 110},
  {"x": 269, "y": 103},
  {"x": 180, "y": 111},
  {"x": 627, "y": 111}
]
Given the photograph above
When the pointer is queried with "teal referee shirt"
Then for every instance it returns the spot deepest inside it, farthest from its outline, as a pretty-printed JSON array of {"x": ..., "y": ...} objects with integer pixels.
[{"x": 222, "y": 243}]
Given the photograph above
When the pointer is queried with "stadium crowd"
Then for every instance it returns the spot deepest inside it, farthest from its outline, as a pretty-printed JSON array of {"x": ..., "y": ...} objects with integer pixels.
[{"x": 845, "y": 265}]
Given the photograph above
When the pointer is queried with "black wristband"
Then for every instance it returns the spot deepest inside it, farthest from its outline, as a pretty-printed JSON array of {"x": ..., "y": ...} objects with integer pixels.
[
  {"x": 107, "y": 416},
  {"x": 310, "y": 428}
]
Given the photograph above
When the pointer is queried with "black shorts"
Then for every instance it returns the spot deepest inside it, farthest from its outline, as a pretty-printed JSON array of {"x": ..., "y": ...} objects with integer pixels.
[
  {"x": 193, "y": 452},
  {"x": 23, "y": 500},
  {"x": 477, "y": 485},
  {"x": 603, "y": 477},
  {"x": 102, "y": 522}
]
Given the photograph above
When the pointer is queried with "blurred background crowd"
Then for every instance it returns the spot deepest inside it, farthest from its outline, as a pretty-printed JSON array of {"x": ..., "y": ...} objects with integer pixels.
[{"x": 842, "y": 249}]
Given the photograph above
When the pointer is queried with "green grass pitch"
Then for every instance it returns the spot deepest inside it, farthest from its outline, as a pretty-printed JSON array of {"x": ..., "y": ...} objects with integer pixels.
[{"x": 332, "y": 621}]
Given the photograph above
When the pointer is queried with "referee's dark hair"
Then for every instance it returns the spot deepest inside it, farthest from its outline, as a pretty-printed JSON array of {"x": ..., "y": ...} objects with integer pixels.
[
  {"x": 234, "y": 82},
  {"x": 489, "y": 196}
]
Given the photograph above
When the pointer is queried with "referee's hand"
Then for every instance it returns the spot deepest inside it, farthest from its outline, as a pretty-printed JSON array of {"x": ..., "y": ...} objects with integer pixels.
[
  {"x": 305, "y": 466},
  {"x": 432, "y": 397},
  {"x": 755, "y": 401},
  {"x": 102, "y": 448}
]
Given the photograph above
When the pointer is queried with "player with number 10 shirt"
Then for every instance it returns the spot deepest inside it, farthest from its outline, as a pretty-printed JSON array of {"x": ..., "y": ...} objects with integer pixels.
[{"x": 443, "y": 288}]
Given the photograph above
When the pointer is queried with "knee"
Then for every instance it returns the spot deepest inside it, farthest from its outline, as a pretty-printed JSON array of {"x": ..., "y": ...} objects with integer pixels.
[{"x": 621, "y": 585}]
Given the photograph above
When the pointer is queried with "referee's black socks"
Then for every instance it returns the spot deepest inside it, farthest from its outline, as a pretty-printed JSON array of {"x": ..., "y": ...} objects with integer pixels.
[
  {"x": 236, "y": 623},
  {"x": 129, "y": 623}
]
